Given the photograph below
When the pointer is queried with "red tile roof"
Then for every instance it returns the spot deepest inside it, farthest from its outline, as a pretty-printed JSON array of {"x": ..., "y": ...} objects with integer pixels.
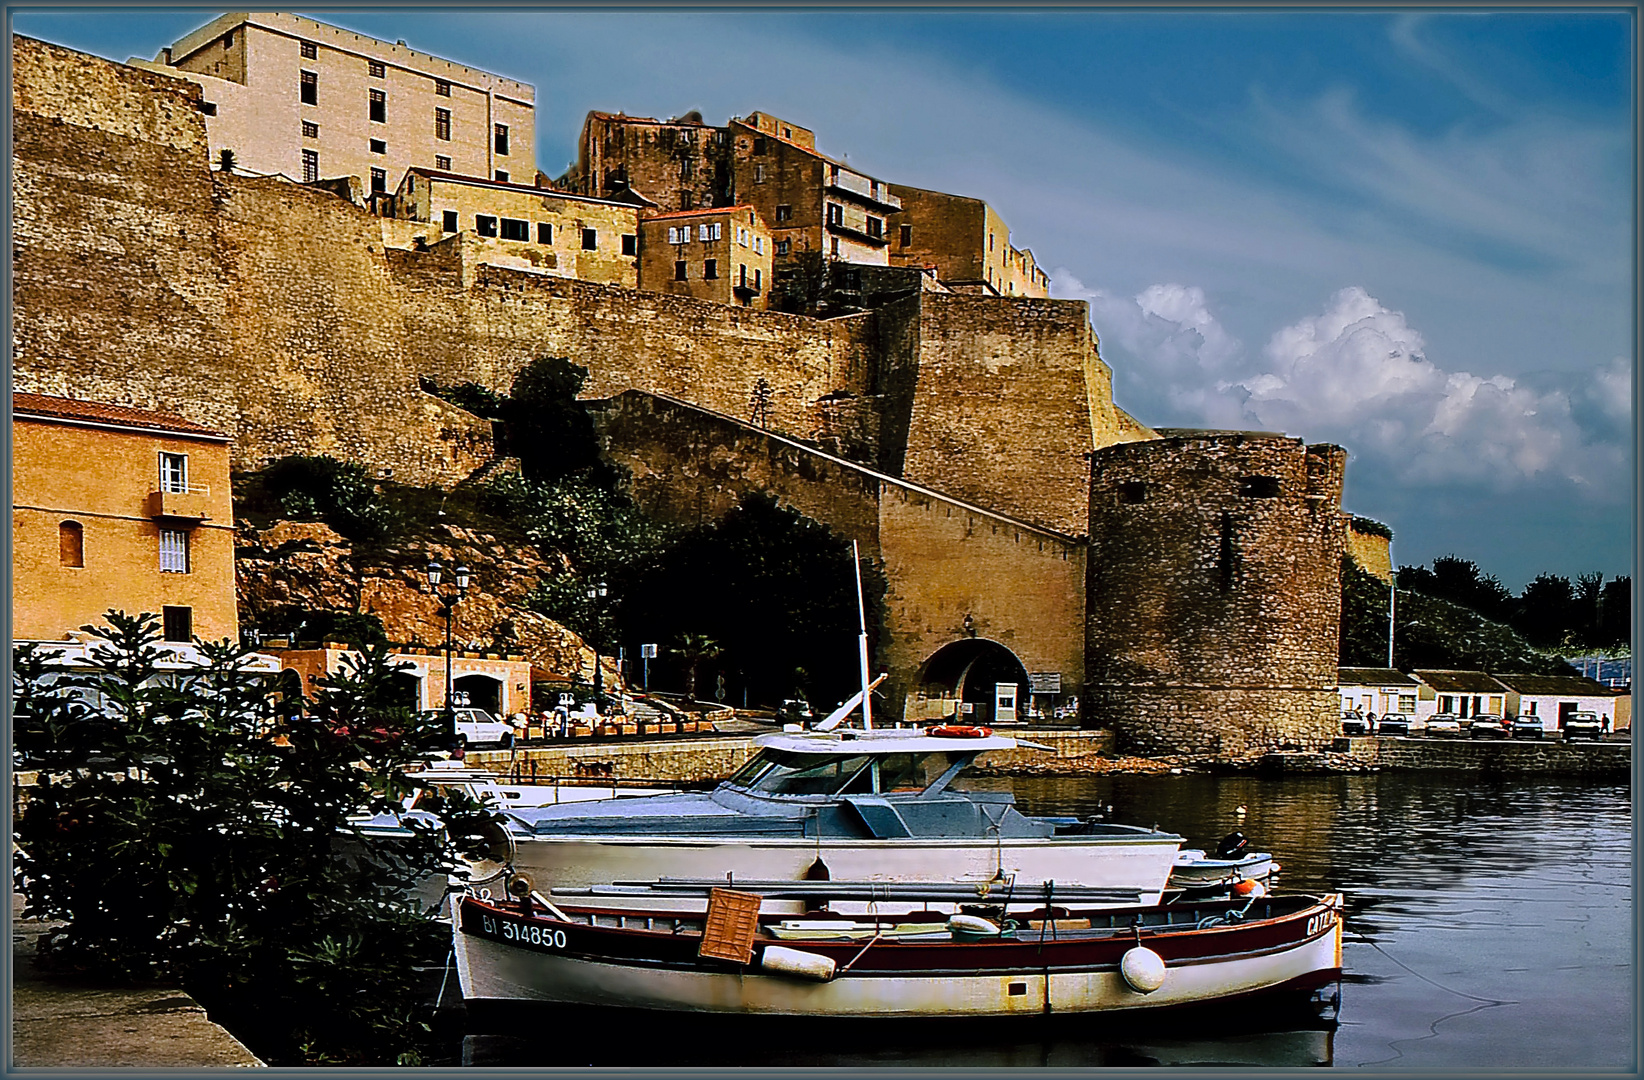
[
  {"x": 100, "y": 412},
  {"x": 699, "y": 212}
]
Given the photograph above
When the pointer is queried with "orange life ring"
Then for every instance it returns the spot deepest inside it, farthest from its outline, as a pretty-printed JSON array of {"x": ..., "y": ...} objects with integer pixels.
[{"x": 958, "y": 731}]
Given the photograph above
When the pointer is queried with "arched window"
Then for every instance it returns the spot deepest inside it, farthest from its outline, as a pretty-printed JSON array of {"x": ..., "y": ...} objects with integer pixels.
[{"x": 71, "y": 541}]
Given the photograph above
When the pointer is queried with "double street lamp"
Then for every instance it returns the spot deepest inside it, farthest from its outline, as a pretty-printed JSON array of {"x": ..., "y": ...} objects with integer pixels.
[
  {"x": 596, "y": 595},
  {"x": 448, "y": 599}
]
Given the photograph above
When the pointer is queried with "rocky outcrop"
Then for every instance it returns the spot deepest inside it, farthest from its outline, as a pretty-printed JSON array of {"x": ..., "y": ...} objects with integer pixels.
[{"x": 308, "y": 565}]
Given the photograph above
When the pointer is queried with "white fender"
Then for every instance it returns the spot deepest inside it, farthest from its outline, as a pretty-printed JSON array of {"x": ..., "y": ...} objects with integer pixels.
[
  {"x": 805, "y": 965},
  {"x": 972, "y": 924},
  {"x": 1143, "y": 969}
]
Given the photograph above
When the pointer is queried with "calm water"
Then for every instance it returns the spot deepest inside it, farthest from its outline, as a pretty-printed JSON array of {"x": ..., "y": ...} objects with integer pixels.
[{"x": 1489, "y": 926}]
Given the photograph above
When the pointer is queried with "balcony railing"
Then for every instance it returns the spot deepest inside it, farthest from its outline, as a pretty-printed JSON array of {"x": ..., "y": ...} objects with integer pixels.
[
  {"x": 190, "y": 503},
  {"x": 861, "y": 189}
]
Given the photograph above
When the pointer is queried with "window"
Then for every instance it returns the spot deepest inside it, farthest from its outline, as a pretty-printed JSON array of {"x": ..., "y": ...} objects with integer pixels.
[
  {"x": 311, "y": 130},
  {"x": 379, "y": 180},
  {"x": 485, "y": 225},
  {"x": 379, "y": 107},
  {"x": 876, "y": 227},
  {"x": 836, "y": 214},
  {"x": 713, "y": 232},
  {"x": 449, "y": 221},
  {"x": 311, "y": 166},
  {"x": 787, "y": 133},
  {"x": 1407, "y": 704},
  {"x": 209, "y": 108},
  {"x": 685, "y": 202},
  {"x": 710, "y": 269},
  {"x": 310, "y": 88},
  {"x": 907, "y": 235},
  {"x": 309, "y": 51},
  {"x": 759, "y": 174},
  {"x": 759, "y": 245},
  {"x": 545, "y": 232},
  {"x": 990, "y": 241},
  {"x": 515, "y": 229},
  {"x": 742, "y": 277},
  {"x": 173, "y": 551},
  {"x": 679, "y": 270},
  {"x": 442, "y": 124},
  {"x": 782, "y": 247},
  {"x": 1132, "y": 492},
  {"x": 501, "y": 132},
  {"x": 759, "y": 144},
  {"x": 442, "y": 162},
  {"x": 833, "y": 248},
  {"x": 784, "y": 212},
  {"x": 758, "y": 275},
  {"x": 378, "y": 146},
  {"x": 174, "y": 473},
  {"x": 590, "y": 240},
  {"x": 71, "y": 543},
  {"x": 703, "y": 233},
  {"x": 177, "y": 623},
  {"x": 833, "y": 174},
  {"x": 500, "y": 176},
  {"x": 686, "y": 168},
  {"x": 741, "y": 237},
  {"x": 442, "y": 88},
  {"x": 673, "y": 235},
  {"x": 630, "y": 244},
  {"x": 374, "y": 69},
  {"x": 1259, "y": 487}
]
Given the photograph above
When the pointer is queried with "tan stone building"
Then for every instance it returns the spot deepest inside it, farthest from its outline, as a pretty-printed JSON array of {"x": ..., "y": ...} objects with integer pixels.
[
  {"x": 518, "y": 226},
  {"x": 679, "y": 163},
  {"x": 965, "y": 241},
  {"x": 723, "y": 255},
  {"x": 115, "y": 507},
  {"x": 501, "y": 685},
  {"x": 289, "y": 95}
]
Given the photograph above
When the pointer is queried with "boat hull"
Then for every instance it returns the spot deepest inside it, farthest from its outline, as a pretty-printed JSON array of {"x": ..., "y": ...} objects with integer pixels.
[{"x": 504, "y": 956}]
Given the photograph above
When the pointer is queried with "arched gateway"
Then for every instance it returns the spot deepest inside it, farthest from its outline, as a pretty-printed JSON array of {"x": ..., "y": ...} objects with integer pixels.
[{"x": 972, "y": 680}]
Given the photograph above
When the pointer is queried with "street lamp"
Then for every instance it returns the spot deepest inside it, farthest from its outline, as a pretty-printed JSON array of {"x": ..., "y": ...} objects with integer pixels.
[
  {"x": 448, "y": 600},
  {"x": 596, "y": 593}
]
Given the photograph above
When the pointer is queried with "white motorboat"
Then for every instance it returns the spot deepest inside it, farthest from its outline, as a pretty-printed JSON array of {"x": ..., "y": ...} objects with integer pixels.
[{"x": 1232, "y": 864}]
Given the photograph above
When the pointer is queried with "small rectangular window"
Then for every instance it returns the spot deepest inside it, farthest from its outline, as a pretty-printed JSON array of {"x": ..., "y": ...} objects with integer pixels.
[
  {"x": 784, "y": 212},
  {"x": 759, "y": 144},
  {"x": 177, "y": 623},
  {"x": 442, "y": 163},
  {"x": 673, "y": 235},
  {"x": 759, "y": 245},
  {"x": 378, "y": 146},
  {"x": 876, "y": 227},
  {"x": 781, "y": 247},
  {"x": 630, "y": 244},
  {"x": 836, "y": 214},
  {"x": 500, "y": 176},
  {"x": 1133, "y": 492},
  {"x": 590, "y": 240},
  {"x": 311, "y": 166},
  {"x": 485, "y": 225},
  {"x": 311, "y": 130},
  {"x": 759, "y": 174},
  {"x": 375, "y": 69},
  {"x": 209, "y": 108},
  {"x": 545, "y": 232},
  {"x": 710, "y": 269},
  {"x": 174, "y": 473},
  {"x": 714, "y": 232},
  {"x": 378, "y": 111},
  {"x": 679, "y": 270},
  {"x": 442, "y": 88},
  {"x": 833, "y": 248},
  {"x": 515, "y": 229},
  {"x": 907, "y": 235},
  {"x": 448, "y": 221},
  {"x": 758, "y": 276},
  {"x": 173, "y": 551},
  {"x": 501, "y": 132},
  {"x": 1259, "y": 487},
  {"x": 379, "y": 180},
  {"x": 309, "y": 51},
  {"x": 71, "y": 544},
  {"x": 442, "y": 124},
  {"x": 310, "y": 88},
  {"x": 685, "y": 200}
]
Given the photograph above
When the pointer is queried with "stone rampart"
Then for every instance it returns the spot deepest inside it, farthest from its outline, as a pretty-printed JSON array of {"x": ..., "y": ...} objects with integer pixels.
[{"x": 1490, "y": 757}]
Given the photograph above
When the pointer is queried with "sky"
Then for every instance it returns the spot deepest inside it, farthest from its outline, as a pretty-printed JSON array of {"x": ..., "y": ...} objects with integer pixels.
[{"x": 1407, "y": 232}]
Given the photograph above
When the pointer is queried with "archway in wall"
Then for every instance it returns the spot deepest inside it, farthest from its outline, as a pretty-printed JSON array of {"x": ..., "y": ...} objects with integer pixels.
[
  {"x": 478, "y": 692},
  {"x": 407, "y": 689},
  {"x": 968, "y": 672}
]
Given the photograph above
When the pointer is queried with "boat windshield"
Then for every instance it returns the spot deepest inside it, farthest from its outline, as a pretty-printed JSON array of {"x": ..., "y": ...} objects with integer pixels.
[{"x": 782, "y": 772}]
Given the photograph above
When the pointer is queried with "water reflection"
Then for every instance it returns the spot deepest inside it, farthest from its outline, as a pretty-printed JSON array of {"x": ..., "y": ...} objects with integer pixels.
[{"x": 1489, "y": 927}]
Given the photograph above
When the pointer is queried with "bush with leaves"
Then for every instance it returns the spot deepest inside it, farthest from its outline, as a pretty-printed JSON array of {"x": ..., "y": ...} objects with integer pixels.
[
  {"x": 320, "y": 488},
  {"x": 193, "y": 826}
]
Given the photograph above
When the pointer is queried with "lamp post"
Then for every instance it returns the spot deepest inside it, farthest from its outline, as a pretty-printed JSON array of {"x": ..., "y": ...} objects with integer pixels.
[
  {"x": 596, "y": 594},
  {"x": 448, "y": 599}
]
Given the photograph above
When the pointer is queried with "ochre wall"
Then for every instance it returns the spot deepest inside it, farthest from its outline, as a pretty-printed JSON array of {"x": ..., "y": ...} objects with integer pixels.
[
  {"x": 109, "y": 498},
  {"x": 1373, "y": 552}
]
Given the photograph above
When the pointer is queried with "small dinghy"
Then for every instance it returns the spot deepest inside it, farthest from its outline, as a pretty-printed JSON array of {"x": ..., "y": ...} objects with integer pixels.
[
  {"x": 906, "y": 960},
  {"x": 1231, "y": 867}
]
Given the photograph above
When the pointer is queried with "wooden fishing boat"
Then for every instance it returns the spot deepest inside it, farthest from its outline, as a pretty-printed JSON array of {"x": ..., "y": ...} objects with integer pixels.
[{"x": 899, "y": 962}]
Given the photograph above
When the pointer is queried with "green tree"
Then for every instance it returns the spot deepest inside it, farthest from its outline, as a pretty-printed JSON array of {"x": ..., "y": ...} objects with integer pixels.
[
  {"x": 1460, "y": 581},
  {"x": 1364, "y": 599},
  {"x": 548, "y": 429},
  {"x": 186, "y": 828},
  {"x": 320, "y": 488}
]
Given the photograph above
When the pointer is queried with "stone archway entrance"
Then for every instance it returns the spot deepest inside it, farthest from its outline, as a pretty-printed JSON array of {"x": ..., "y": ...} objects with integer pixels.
[
  {"x": 479, "y": 692},
  {"x": 973, "y": 680}
]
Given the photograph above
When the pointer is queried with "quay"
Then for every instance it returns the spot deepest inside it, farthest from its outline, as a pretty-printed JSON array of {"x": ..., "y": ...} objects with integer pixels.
[{"x": 62, "y": 1022}]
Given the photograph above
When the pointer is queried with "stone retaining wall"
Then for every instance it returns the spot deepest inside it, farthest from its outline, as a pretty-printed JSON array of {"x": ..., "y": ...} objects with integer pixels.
[{"x": 1489, "y": 757}]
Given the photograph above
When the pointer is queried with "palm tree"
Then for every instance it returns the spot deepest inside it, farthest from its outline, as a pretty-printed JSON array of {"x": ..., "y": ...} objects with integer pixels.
[{"x": 694, "y": 649}]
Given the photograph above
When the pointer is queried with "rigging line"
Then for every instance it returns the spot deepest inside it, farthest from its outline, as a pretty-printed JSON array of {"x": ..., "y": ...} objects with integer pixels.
[{"x": 1425, "y": 979}]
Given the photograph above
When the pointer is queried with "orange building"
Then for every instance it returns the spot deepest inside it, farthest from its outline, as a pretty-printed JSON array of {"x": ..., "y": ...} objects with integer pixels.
[
  {"x": 722, "y": 254},
  {"x": 116, "y": 507}
]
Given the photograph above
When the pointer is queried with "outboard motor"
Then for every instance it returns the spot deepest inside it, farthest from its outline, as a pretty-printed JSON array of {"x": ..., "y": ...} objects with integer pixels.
[{"x": 1233, "y": 846}]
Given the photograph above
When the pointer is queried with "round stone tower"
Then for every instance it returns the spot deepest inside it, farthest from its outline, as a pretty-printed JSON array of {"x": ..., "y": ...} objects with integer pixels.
[{"x": 1214, "y": 592}]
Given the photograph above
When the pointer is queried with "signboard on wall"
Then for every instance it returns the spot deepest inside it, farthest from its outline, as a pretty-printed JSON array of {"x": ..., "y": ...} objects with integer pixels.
[{"x": 1045, "y": 682}]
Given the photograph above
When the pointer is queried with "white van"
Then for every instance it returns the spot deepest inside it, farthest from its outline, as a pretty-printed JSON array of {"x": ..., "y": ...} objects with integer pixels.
[{"x": 476, "y": 726}]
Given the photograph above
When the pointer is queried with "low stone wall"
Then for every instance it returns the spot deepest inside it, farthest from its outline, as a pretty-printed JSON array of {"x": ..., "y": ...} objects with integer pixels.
[{"x": 1488, "y": 757}]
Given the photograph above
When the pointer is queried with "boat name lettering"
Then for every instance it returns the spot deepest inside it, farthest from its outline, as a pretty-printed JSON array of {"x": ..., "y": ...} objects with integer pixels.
[
  {"x": 523, "y": 933},
  {"x": 1320, "y": 922}
]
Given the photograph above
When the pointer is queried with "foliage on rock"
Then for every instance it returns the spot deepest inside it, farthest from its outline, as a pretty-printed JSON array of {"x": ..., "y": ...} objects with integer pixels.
[{"x": 319, "y": 488}]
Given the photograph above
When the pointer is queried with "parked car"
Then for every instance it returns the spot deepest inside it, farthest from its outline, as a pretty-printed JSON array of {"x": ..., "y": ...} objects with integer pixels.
[
  {"x": 476, "y": 726},
  {"x": 1583, "y": 725},
  {"x": 1528, "y": 727},
  {"x": 1443, "y": 725},
  {"x": 1355, "y": 724},
  {"x": 1488, "y": 726},
  {"x": 795, "y": 711},
  {"x": 1394, "y": 724}
]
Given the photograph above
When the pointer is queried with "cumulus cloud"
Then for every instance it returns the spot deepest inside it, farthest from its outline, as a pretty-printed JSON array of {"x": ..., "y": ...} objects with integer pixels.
[{"x": 1358, "y": 374}]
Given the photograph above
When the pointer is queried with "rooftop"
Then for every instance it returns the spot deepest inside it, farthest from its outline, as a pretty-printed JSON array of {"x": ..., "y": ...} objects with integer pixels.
[
  {"x": 1373, "y": 676},
  {"x": 72, "y": 410},
  {"x": 1460, "y": 682},
  {"x": 1567, "y": 685}
]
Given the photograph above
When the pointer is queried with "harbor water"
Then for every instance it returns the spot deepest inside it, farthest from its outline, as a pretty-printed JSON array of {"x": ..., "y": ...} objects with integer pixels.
[{"x": 1489, "y": 926}]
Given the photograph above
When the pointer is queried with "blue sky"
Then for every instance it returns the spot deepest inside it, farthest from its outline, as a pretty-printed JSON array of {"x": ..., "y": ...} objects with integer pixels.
[{"x": 1408, "y": 232}]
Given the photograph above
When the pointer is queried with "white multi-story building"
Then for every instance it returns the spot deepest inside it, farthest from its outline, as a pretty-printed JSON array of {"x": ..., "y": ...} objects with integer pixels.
[{"x": 288, "y": 95}]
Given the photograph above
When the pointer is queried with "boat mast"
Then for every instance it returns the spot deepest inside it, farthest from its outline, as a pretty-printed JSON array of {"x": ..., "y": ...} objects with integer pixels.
[{"x": 862, "y": 640}]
